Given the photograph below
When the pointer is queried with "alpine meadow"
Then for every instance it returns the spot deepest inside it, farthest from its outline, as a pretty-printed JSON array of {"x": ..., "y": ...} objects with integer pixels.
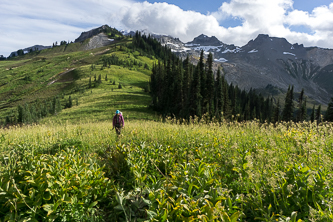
[{"x": 193, "y": 148}]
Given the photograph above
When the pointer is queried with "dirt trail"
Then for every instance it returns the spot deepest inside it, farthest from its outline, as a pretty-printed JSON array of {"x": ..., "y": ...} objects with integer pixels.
[{"x": 59, "y": 75}]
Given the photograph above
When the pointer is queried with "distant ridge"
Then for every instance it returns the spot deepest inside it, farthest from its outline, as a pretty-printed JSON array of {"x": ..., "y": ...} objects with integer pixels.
[{"x": 31, "y": 48}]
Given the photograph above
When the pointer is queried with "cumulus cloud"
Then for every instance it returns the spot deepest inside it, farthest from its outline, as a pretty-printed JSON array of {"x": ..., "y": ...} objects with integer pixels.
[
  {"x": 26, "y": 23},
  {"x": 275, "y": 17},
  {"x": 165, "y": 18}
]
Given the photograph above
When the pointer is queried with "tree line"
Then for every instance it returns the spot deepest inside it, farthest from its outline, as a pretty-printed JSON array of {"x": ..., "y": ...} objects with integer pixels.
[{"x": 38, "y": 109}]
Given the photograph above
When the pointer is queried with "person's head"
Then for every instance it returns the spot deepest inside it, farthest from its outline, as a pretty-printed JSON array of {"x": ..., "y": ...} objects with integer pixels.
[{"x": 117, "y": 112}]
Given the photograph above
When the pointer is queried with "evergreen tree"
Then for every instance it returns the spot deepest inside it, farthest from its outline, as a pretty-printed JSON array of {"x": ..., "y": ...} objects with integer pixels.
[
  {"x": 276, "y": 113},
  {"x": 69, "y": 103},
  {"x": 301, "y": 112},
  {"x": 226, "y": 103},
  {"x": 318, "y": 114},
  {"x": 219, "y": 95},
  {"x": 58, "y": 105},
  {"x": 99, "y": 79},
  {"x": 329, "y": 112},
  {"x": 203, "y": 84},
  {"x": 210, "y": 85},
  {"x": 288, "y": 110},
  {"x": 89, "y": 86},
  {"x": 313, "y": 114},
  {"x": 21, "y": 114},
  {"x": 197, "y": 92},
  {"x": 187, "y": 79}
]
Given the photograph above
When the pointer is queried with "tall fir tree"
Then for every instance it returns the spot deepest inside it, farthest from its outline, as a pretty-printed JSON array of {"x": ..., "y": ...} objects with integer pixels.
[
  {"x": 329, "y": 112},
  {"x": 301, "y": 112},
  {"x": 318, "y": 114},
  {"x": 276, "y": 113},
  {"x": 288, "y": 110},
  {"x": 312, "y": 118},
  {"x": 210, "y": 88}
]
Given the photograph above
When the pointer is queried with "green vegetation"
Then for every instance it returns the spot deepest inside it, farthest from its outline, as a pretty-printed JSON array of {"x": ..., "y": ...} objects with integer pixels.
[
  {"x": 65, "y": 71},
  {"x": 165, "y": 171},
  {"x": 61, "y": 161}
]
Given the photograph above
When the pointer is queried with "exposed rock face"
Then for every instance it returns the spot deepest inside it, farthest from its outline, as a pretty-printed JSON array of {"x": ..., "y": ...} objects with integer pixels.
[
  {"x": 97, "y": 41},
  {"x": 91, "y": 33},
  {"x": 266, "y": 61}
]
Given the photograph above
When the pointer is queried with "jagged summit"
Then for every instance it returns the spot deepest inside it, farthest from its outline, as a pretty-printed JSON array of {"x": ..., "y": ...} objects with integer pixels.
[
  {"x": 204, "y": 40},
  {"x": 91, "y": 33}
]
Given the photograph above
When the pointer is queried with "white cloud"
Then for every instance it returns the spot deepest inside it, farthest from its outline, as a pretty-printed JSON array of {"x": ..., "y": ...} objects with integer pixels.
[
  {"x": 26, "y": 23},
  {"x": 165, "y": 18},
  {"x": 273, "y": 17}
]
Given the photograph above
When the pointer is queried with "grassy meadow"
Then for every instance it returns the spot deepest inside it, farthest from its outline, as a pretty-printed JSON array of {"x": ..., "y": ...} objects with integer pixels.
[
  {"x": 64, "y": 72},
  {"x": 164, "y": 171}
]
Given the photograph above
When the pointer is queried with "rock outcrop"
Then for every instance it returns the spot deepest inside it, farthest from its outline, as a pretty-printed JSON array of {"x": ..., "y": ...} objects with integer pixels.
[{"x": 91, "y": 33}]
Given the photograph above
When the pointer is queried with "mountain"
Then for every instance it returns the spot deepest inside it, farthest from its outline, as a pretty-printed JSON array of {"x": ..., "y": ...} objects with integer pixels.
[
  {"x": 30, "y": 49},
  {"x": 94, "y": 82},
  {"x": 265, "y": 63}
]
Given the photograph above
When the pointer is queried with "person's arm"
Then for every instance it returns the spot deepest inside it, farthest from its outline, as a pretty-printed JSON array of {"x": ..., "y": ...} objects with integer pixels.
[{"x": 122, "y": 119}]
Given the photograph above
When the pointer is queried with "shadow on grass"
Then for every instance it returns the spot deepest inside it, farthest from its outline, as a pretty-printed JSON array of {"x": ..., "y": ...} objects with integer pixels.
[{"x": 116, "y": 166}]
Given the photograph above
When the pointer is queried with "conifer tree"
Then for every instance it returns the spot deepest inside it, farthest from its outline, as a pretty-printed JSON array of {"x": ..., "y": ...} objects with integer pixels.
[
  {"x": 288, "y": 110},
  {"x": 203, "y": 79},
  {"x": 186, "y": 87},
  {"x": 318, "y": 114},
  {"x": 226, "y": 103},
  {"x": 276, "y": 113},
  {"x": 89, "y": 86},
  {"x": 197, "y": 92},
  {"x": 21, "y": 114},
  {"x": 301, "y": 112},
  {"x": 329, "y": 112},
  {"x": 219, "y": 95},
  {"x": 313, "y": 114},
  {"x": 210, "y": 85}
]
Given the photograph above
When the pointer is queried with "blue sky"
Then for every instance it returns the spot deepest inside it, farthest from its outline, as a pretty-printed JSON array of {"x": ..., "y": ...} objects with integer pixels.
[{"x": 27, "y": 23}]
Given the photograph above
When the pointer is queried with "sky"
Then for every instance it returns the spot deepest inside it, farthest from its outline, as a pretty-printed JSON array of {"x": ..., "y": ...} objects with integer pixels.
[{"x": 43, "y": 22}]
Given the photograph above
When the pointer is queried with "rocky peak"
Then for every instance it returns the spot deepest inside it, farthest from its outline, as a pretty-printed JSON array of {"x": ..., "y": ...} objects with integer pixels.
[
  {"x": 91, "y": 33},
  {"x": 204, "y": 40}
]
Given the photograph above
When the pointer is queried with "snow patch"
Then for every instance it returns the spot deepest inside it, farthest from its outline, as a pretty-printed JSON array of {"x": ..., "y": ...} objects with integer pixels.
[
  {"x": 191, "y": 45},
  {"x": 221, "y": 60},
  {"x": 232, "y": 51},
  {"x": 253, "y": 51},
  {"x": 207, "y": 48},
  {"x": 111, "y": 40},
  {"x": 288, "y": 53},
  {"x": 292, "y": 47}
]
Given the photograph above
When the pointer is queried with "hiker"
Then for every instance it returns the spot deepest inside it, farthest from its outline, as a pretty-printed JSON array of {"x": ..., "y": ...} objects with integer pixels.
[{"x": 118, "y": 122}]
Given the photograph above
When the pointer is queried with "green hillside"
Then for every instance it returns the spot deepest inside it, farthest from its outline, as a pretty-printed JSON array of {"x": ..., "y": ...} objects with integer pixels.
[
  {"x": 65, "y": 71},
  {"x": 72, "y": 166}
]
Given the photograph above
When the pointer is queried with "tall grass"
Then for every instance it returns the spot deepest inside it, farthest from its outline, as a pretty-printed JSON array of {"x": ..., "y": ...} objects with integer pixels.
[{"x": 159, "y": 171}]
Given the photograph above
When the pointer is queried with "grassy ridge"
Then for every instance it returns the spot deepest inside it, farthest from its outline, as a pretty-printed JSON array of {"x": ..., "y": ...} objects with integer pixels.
[
  {"x": 158, "y": 171},
  {"x": 64, "y": 71}
]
